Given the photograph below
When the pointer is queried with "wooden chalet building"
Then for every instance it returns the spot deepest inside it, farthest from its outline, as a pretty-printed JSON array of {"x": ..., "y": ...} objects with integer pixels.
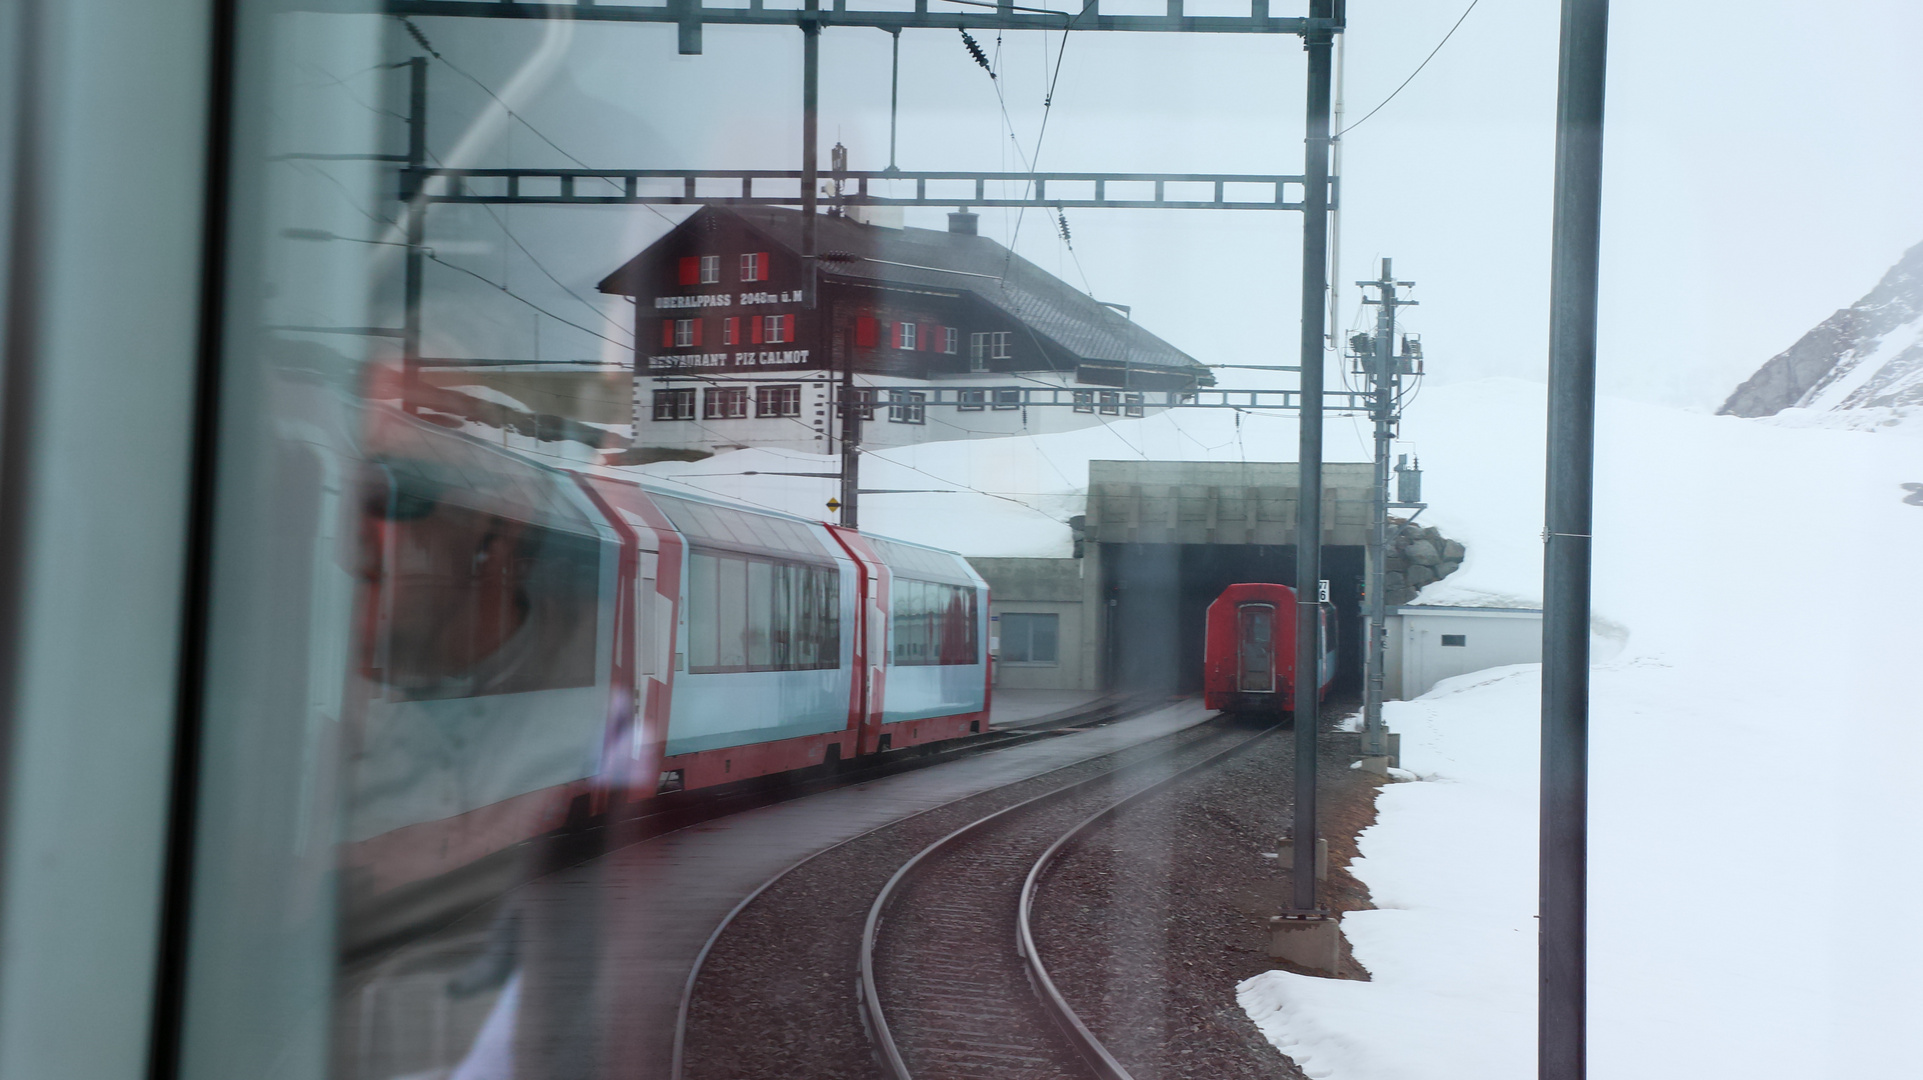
[{"x": 728, "y": 356}]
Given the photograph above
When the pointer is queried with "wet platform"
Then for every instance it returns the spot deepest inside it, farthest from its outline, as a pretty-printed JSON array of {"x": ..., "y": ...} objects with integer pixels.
[
  {"x": 1021, "y": 708},
  {"x": 606, "y": 947}
]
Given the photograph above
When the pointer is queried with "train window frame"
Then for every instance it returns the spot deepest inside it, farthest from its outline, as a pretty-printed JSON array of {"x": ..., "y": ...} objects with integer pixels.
[
  {"x": 813, "y": 641},
  {"x": 917, "y": 639}
]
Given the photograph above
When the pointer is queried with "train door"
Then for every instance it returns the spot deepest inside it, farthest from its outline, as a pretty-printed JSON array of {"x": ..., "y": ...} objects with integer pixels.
[{"x": 1255, "y": 635}]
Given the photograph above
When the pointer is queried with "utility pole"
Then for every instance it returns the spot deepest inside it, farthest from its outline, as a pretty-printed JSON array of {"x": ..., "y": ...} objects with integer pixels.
[
  {"x": 1384, "y": 369},
  {"x": 1319, "y": 43},
  {"x": 1563, "y": 899},
  {"x": 413, "y": 263}
]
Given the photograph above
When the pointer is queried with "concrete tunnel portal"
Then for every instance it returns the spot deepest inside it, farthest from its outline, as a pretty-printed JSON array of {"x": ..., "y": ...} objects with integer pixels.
[
  {"x": 1165, "y": 538},
  {"x": 1158, "y": 595}
]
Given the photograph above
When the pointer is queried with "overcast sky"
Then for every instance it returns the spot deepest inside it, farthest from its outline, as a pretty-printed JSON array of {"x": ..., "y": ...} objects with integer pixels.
[{"x": 1762, "y": 167}]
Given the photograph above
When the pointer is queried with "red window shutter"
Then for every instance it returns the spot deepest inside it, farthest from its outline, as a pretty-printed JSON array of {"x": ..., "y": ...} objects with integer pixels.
[
  {"x": 667, "y": 333},
  {"x": 761, "y": 266},
  {"x": 867, "y": 332},
  {"x": 895, "y": 335},
  {"x": 697, "y": 331},
  {"x": 925, "y": 338},
  {"x": 691, "y": 270},
  {"x": 755, "y": 330}
]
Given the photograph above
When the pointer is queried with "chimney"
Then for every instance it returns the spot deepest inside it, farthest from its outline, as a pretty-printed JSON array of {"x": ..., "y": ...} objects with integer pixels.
[{"x": 961, "y": 221}]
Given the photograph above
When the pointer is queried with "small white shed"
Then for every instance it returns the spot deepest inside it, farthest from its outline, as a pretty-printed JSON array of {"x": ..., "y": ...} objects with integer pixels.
[{"x": 1428, "y": 644}]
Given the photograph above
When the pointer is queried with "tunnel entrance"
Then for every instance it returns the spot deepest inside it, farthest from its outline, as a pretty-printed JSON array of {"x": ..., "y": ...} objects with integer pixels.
[{"x": 1158, "y": 596}]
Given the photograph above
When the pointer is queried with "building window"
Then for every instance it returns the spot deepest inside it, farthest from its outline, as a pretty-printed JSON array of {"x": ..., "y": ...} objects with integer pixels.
[
  {"x": 1457, "y": 641},
  {"x": 754, "y": 266},
  {"x": 1108, "y": 400},
  {"x": 1084, "y": 401},
  {"x": 710, "y": 269},
  {"x": 725, "y": 403},
  {"x": 674, "y": 404},
  {"x": 1008, "y": 397},
  {"x": 1030, "y": 638},
  {"x": 1132, "y": 404},
  {"x": 950, "y": 340},
  {"x": 731, "y": 331},
  {"x": 777, "y": 401},
  {"x": 904, "y": 335},
  {"x": 749, "y": 614},
  {"x": 687, "y": 333},
  {"x": 777, "y": 329},
  {"x": 905, "y": 407},
  {"x": 991, "y": 346},
  {"x": 864, "y": 402},
  {"x": 933, "y": 624},
  {"x": 971, "y": 400}
]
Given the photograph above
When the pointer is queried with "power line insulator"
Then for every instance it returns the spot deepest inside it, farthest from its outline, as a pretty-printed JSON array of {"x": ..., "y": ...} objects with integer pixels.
[
  {"x": 975, "y": 50},
  {"x": 1062, "y": 220}
]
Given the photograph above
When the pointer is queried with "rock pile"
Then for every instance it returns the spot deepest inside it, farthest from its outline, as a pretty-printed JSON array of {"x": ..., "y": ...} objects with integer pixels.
[{"x": 1417, "y": 557}]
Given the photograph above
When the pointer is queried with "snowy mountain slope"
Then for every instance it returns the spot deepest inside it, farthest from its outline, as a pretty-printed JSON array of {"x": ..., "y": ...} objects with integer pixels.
[
  {"x": 1868, "y": 355},
  {"x": 1753, "y": 883}
]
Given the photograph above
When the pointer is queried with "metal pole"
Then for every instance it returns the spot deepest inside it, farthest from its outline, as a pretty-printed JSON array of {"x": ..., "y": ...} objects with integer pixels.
[
  {"x": 894, "y": 99},
  {"x": 850, "y": 444},
  {"x": 1383, "y": 383},
  {"x": 810, "y": 167},
  {"x": 413, "y": 264},
  {"x": 1333, "y": 332},
  {"x": 1308, "y": 507},
  {"x": 1561, "y": 1036}
]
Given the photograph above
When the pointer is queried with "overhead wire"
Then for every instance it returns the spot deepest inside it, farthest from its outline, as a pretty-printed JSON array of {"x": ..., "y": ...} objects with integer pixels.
[
  {"x": 1413, "y": 74},
  {"x": 432, "y": 257}
]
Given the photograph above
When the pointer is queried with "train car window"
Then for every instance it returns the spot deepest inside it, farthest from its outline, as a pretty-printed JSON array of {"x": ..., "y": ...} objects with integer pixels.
[
  {"x": 934, "y": 623},
  {"x": 723, "y": 527},
  {"x": 748, "y": 614},
  {"x": 468, "y": 592}
]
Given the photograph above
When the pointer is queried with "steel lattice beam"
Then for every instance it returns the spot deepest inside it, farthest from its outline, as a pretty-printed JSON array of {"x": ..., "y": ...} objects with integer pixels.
[
  {"x": 692, "y": 15},
  {"x": 749, "y": 187},
  {"x": 1104, "y": 402}
]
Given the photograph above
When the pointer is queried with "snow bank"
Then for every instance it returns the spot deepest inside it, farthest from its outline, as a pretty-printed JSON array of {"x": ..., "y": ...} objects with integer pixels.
[{"x": 1754, "y": 817}]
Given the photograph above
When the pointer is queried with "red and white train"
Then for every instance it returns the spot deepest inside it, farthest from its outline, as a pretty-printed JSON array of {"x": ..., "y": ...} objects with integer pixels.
[
  {"x": 539, "y": 645},
  {"x": 1249, "y": 649}
]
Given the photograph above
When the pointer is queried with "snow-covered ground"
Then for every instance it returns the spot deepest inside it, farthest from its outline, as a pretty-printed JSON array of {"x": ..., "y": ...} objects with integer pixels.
[{"x": 1755, "y": 815}]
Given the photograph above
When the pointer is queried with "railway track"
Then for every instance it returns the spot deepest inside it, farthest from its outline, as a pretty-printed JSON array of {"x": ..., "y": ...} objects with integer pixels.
[
  {"x": 763, "y": 995},
  {"x": 952, "y": 985}
]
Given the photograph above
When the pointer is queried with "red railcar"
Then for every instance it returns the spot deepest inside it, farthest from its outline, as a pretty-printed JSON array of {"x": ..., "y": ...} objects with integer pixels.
[{"x": 1249, "y": 650}]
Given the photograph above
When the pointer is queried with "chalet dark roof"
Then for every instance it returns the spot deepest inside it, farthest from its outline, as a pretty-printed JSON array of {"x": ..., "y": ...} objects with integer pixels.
[{"x": 1073, "y": 320}]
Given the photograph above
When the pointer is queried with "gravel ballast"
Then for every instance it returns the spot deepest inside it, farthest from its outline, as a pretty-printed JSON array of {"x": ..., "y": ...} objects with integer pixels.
[
  {"x": 1147, "y": 922},
  {"x": 1154, "y": 913}
]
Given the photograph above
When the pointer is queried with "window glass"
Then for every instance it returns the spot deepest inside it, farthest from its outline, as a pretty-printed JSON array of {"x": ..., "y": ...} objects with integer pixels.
[
  {"x": 934, "y": 623},
  {"x": 499, "y": 589},
  {"x": 1029, "y": 638}
]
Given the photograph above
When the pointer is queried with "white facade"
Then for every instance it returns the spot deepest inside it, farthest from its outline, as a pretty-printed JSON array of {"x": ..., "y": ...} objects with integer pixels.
[
  {"x": 708, "y": 419},
  {"x": 1429, "y": 644}
]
